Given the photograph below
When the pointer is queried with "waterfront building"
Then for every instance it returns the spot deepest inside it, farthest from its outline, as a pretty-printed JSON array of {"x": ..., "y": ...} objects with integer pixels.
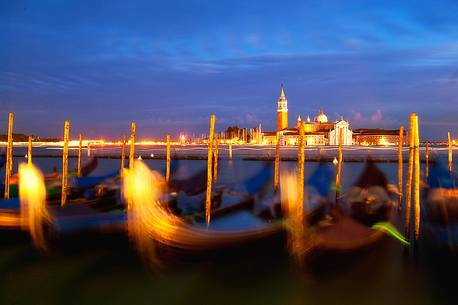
[{"x": 376, "y": 136}]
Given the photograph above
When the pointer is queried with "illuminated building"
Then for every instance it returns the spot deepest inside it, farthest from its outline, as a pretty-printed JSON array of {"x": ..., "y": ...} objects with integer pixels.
[
  {"x": 376, "y": 136},
  {"x": 347, "y": 135},
  {"x": 317, "y": 132},
  {"x": 282, "y": 111}
]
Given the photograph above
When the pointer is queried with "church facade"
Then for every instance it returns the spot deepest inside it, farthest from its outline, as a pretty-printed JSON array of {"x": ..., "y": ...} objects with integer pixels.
[{"x": 317, "y": 132}]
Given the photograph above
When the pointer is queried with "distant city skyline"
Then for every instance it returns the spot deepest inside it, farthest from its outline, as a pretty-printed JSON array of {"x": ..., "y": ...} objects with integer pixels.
[{"x": 169, "y": 65}]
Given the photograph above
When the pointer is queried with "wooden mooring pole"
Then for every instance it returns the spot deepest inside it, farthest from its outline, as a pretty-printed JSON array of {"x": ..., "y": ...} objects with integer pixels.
[
  {"x": 65, "y": 164},
  {"x": 409, "y": 175},
  {"x": 215, "y": 161},
  {"x": 416, "y": 190},
  {"x": 133, "y": 128},
  {"x": 427, "y": 160},
  {"x": 80, "y": 152},
  {"x": 300, "y": 169},
  {"x": 230, "y": 149},
  {"x": 209, "y": 170},
  {"x": 167, "y": 159},
  {"x": 450, "y": 152},
  {"x": 277, "y": 162},
  {"x": 29, "y": 151},
  {"x": 9, "y": 156},
  {"x": 400, "y": 165},
  {"x": 123, "y": 155},
  {"x": 339, "y": 165}
]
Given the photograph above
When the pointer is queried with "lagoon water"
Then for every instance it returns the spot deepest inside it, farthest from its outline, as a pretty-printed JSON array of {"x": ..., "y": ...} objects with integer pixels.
[{"x": 113, "y": 273}]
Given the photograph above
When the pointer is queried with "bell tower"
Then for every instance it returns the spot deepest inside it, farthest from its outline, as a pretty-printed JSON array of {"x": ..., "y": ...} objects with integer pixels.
[{"x": 282, "y": 110}]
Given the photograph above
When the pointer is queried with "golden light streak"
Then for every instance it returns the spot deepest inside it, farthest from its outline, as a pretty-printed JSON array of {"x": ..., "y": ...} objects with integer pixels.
[
  {"x": 32, "y": 196},
  {"x": 209, "y": 169},
  {"x": 9, "y": 156},
  {"x": 132, "y": 145},
  {"x": 294, "y": 211},
  {"x": 145, "y": 216},
  {"x": 65, "y": 164},
  {"x": 400, "y": 165}
]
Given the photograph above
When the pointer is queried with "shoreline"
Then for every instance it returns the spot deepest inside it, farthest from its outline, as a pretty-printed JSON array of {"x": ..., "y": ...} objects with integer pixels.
[{"x": 265, "y": 159}]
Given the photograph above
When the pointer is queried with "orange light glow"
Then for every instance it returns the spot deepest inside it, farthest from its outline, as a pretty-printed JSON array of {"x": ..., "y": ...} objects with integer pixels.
[
  {"x": 385, "y": 142},
  {"x": 147, "y": 220},
  {"x": 32, "y": 195}
]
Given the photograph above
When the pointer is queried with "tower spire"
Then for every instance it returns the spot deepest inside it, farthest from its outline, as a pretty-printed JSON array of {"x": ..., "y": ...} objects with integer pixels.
[
  {"x": 282, "y": 110},
  {"x": 282, "y": 92}
]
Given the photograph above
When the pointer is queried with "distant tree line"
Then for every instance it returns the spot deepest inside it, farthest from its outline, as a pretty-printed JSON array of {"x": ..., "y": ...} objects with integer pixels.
[{"x": 20, "y": 137}]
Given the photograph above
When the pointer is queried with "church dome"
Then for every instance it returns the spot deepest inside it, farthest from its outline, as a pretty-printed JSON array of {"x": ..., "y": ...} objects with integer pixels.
[{"x": 321, "y": 118}]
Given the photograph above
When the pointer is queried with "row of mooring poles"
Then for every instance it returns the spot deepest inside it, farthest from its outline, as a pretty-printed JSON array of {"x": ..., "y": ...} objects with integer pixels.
[
  {"x": 413, "y": 174},
  {"x": 9, "y": 158}
]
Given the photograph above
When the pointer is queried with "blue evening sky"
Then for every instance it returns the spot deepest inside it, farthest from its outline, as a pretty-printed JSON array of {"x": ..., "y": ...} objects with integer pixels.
[{"x": 170, "y": 64}]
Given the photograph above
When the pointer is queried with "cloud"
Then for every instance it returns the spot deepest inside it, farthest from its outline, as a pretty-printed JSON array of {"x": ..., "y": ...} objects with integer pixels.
[
  {"x": 356, "y": 116},
  {"x": 377, "y": 116}
]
